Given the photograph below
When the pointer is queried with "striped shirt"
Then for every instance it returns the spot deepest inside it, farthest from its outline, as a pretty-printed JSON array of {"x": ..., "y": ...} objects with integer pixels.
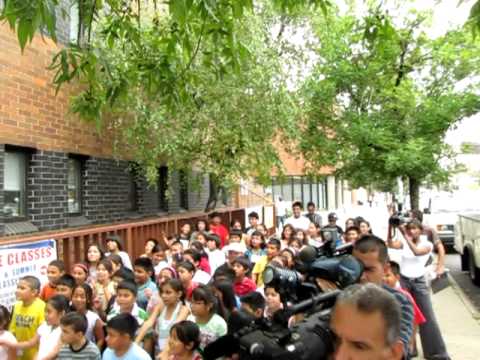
[
  {"x": 406, "y": 325},
  {"x": 87, "y": 352}
]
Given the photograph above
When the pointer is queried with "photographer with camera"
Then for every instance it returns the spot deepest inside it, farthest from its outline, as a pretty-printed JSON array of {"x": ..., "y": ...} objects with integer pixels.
[
  {"x": 366, "y": 322},
  {"x": 416, "y": 251},
  {"x": 433, "y": 237}
]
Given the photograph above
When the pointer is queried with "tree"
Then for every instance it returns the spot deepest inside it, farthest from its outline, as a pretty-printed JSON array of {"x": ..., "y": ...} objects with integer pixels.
[
  {"x": 382, "y": 97},
  {"x": 195, "y": 83}
]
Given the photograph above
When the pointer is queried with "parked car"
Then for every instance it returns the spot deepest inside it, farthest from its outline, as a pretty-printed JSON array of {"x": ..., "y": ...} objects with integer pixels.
[
  {"x": 467, "y": 243},
  {"x": 444, "y": 223}
]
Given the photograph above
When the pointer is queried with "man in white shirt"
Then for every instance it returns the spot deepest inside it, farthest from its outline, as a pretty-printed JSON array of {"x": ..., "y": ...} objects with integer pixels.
[
  {"x": 298, "y": 221},
  {"x": 280, "y": 211}
]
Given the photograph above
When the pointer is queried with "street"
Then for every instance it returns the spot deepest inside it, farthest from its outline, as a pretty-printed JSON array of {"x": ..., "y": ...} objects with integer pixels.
[{"x": 471, "y": 291}]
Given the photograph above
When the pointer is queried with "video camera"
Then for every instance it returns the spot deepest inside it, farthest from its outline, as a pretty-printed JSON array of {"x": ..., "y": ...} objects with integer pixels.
[
  {"x": 310, "y": 338},
  {"x": 399, "y": 218}
]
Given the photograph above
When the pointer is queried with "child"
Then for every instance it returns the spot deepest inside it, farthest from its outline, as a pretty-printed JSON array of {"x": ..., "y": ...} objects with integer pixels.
[
  {"x": 204, "y": 263},
  {"x": 94, "y": 256},
  {"x": 228, "y": 302},
  {"x": 287, "y": 236},
  {"x": 80, "y": 273},
  {"x": 76, "y": 345},
  {"x": 352, "y": 234},
  {"x": 82, "y": 299},
  {"x": 236, "y": 236},
  {"x": 272, "y": 300},
  {"x": 253, "y": 304},
  {"x": 144, "y": 278},
  {"x": 122, "y": 274},
  {"x": 115, "y": 247},
  {"x": 159, "y": 259},
  {"x": 65, "y": 286},
  {"x": 212, "y": 326},
  {"x": 216, "y": 257},
  {"x": 149, "y": 246},
  {"x": 166, "y": 274},
  {"x": 392, "y": 279},
  {"x": 289, "y": 256},
  {"x": 104, "y": 287},
  {"x": 200, "y": 276},
  {"x": 243, "y": 284},
  {"x": 176, "y": 249},
  {"x": 170, "y": 311},
  {"x": 184, "y": 236},
  {"x": 6, "y": 353},
  {"x": 121, "y": 331},
  {"x": 47, "y": 337},
  {"x": 126, "y": 302},
  {"x": 185, "y": 271},
  {"x": 200, "y": 227},
  {"x": 55, "y": 269},
  {"x": 273, "y": 249},
  {"x": 28, "y": 313},
  {"x": 257, "y": 244},
  {"x": 183, "y": 342},
  {"x": 117, "y": 262}
]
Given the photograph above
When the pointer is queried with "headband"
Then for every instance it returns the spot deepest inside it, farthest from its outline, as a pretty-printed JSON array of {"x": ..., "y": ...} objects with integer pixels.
[{"x": 83, "y": 267}]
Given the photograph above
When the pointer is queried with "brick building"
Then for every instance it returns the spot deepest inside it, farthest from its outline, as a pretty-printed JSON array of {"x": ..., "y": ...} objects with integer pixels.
[{"x": 56, "y": 171}]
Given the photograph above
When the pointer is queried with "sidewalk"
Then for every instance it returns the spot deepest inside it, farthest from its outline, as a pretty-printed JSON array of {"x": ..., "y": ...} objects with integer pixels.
[{"x": 461, "y": 331}]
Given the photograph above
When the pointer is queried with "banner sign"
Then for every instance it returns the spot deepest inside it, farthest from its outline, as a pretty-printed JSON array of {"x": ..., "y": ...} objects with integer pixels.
[{"x": 19, "y": 260}]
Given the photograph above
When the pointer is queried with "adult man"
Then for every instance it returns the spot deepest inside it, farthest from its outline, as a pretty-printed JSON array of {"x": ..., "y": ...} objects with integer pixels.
[
  {"x": 217, "y": 228},
  {"x": 312, "y": 215},
  {"x": 372, "y": 252},
  {"x": 297, "y": 220},
  {"x": 433, "y": 237},
  {"x": 280, "y": 211},
  {"x": 366, "y": 322},
  {"x": 332, "y": 223}
]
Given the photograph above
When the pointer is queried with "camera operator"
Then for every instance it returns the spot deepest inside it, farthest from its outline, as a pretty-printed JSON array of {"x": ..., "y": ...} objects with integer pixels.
[
  {"x": 433, "y": 237},
  {"x": 332, "y": 223},
  {"x": 416, "y": 250},
  {"x": 373, "y": 253},
  {"x": 366, "y": 320}
]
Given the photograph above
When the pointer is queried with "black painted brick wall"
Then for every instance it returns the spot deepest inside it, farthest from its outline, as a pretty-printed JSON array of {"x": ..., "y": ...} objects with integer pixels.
[
  {"x": 106, "y": 190},
  {"x": 47, "y": 189}
]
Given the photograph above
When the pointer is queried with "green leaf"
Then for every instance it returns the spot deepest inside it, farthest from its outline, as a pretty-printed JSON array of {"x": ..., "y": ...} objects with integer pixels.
[{"x": 24, "y": 32}]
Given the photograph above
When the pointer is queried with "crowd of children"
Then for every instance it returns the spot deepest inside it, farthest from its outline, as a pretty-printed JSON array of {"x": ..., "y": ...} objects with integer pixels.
[{"x": 183, "y": 293}]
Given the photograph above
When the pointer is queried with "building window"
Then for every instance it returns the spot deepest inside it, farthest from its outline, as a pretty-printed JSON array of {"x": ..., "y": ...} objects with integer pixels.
[
  {"x": 14, "y": 179},
  {"x": 183, "y": 189},
  {"x": 74, "y": 186},
  {"x": 162, "y": 188}
]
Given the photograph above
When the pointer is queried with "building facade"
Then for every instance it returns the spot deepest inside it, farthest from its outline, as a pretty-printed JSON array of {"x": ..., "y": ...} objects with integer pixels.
[{"x": 57, "y": 171}]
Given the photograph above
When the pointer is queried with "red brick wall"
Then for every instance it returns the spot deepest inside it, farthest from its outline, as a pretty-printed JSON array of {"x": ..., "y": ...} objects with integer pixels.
[{"x": 30, "y": 113}]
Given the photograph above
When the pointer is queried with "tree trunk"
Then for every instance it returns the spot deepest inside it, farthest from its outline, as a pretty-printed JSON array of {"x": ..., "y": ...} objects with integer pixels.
[{"x": 414, "y": 191}]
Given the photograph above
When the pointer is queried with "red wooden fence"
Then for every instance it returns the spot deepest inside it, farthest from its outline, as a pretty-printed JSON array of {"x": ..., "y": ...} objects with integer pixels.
[{"x": 72, "y": 244}]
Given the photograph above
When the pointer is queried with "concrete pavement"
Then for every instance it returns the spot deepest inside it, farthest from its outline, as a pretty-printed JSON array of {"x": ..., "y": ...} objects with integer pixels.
[{"x": 460, "y": 328}]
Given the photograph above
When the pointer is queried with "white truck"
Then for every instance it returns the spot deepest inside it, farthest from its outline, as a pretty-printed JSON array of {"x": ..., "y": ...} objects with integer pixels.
[{"x": 467, "y": 243}]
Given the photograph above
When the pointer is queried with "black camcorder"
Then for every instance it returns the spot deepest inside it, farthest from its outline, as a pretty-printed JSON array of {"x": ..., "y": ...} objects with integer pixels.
[
  {"x": 310, "y": 338},
  {"x": 399, "y": 218}
]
